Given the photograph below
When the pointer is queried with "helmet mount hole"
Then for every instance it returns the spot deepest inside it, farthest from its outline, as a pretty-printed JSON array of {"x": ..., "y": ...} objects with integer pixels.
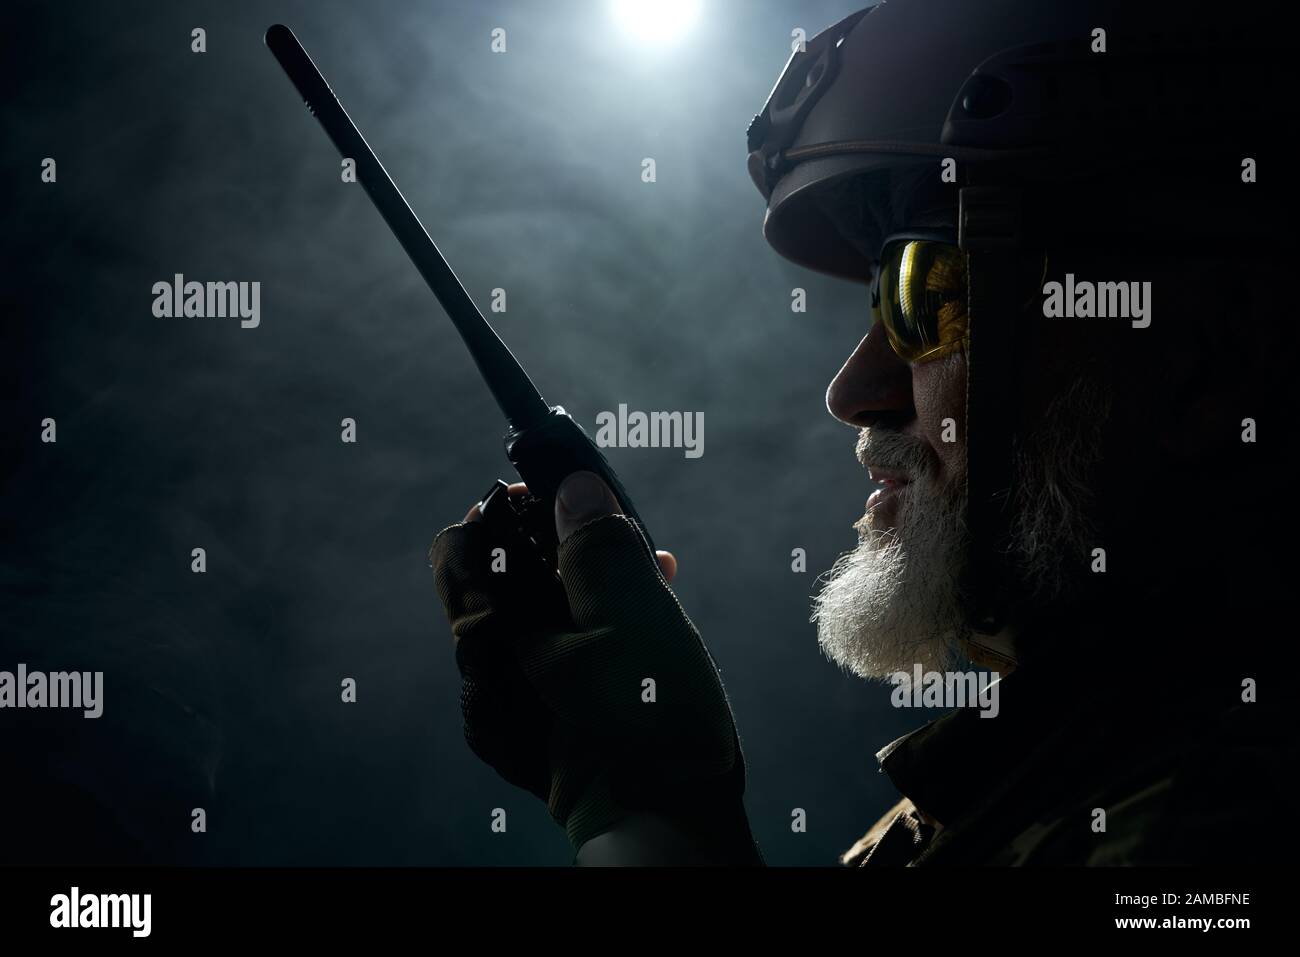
[{"x": 986, "y": 97}]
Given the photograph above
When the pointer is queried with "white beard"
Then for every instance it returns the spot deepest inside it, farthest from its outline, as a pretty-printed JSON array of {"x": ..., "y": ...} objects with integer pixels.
[{"x": 894, "y": 601}]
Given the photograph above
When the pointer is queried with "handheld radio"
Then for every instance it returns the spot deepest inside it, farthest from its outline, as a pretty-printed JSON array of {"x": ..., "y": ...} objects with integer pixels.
[{"x": 542, "y": 441}]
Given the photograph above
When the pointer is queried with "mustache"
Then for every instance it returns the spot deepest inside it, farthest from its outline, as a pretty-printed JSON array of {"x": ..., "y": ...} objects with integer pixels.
[{"x": 891, "y": 449}]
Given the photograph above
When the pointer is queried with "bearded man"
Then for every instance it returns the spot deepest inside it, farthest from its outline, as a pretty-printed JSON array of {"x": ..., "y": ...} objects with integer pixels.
[{"x": 1042, "y": 512}]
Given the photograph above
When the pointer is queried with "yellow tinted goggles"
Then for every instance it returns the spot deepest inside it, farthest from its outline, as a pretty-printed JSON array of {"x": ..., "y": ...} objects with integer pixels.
[{"x": 920, "y": 294}]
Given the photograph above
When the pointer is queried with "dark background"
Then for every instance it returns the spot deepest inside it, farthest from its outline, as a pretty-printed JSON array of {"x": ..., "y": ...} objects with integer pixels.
[{"x": 223, "y": 690}]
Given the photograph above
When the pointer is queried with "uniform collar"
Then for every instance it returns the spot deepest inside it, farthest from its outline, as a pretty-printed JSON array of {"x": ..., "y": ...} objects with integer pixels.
[{"x": 948, "y": 766}]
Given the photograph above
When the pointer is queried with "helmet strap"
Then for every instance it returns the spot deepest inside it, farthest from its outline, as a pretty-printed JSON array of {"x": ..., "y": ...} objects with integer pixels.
[{"x": 990, "y": 232}]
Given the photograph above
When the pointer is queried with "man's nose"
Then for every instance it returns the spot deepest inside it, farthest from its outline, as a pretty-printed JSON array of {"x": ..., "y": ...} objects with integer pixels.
[{"x": 874, "y": 385}]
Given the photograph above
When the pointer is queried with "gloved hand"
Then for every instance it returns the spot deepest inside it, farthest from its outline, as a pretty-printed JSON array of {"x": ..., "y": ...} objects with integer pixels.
[{"x": 593, "y": 690}]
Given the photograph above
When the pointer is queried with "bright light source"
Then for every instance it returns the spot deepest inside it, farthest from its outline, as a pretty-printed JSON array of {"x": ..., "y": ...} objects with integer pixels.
[{"x": 657, "y": 22}]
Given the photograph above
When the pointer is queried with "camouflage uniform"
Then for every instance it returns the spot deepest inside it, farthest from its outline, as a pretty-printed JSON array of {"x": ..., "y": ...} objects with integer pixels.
[{"x": 1185, "y": 775}]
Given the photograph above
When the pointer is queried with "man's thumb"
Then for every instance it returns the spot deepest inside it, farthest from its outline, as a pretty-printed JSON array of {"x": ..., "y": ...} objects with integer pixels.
[{"x": 581, "y": 498}]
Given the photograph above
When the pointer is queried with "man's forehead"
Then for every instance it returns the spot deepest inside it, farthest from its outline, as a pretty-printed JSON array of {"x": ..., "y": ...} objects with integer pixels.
[
  {"x": 936, "y": 217},
  {"x": 921, "y": 200}
]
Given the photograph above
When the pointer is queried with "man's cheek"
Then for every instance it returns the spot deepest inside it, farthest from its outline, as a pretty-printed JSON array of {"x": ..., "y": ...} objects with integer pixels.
[{"x": 939, "y": 391}]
